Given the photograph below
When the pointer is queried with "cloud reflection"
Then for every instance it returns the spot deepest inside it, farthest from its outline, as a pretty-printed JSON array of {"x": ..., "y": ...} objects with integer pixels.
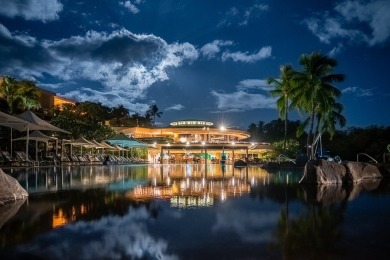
[
  {"x": 252, "y": 227},
  {"x": 112, "y": 237}
]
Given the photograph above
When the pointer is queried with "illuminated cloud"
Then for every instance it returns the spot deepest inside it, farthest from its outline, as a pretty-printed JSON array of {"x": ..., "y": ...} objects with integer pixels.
[
  {"x": 131, "y": 6},
  {"x": 242, "y": 101},
  {"x": 123, "y": 63},
  {"x": 263, "y": 53},
  {"x": 347, "y": 16},
  {"x": 44, "y": 11},
  {"x": 209, "y": 50}
]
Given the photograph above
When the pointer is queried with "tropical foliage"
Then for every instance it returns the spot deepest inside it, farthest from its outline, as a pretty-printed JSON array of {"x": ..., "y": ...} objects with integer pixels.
[
  {"x": 17, "y": 96},
  {"x": 312, "y": 94},
  {"x": 153, "y": 112},
  {"x": 289, "y": 147},
  {"x": 83, "y": 119},
  {"x": 282, "y": 90}
]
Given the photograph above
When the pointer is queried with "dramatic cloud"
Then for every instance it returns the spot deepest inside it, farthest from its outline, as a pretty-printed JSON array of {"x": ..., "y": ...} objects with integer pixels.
[
  {"x": 358, "y": 91},
  {"x": 124, "y": 64},
  {"x": 175, "y": 107},
  {"x": 347, "y": 16},
  {"x": 263, "y": 53},
  {"x": 44, "y": 11},
  {"x": 209, "y": 50},
  {"x": 111, "y": 237}
]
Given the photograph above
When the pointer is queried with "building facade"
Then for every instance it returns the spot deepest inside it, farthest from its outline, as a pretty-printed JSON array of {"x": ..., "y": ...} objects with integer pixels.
[{"x": 195, "y": 141}]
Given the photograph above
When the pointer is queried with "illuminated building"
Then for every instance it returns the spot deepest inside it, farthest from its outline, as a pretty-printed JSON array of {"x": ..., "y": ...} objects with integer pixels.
[{"x": 184, "y": 140}]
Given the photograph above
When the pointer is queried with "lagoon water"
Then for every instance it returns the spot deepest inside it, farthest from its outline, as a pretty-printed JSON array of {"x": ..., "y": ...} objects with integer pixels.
[{"x": 191, "y": 211}]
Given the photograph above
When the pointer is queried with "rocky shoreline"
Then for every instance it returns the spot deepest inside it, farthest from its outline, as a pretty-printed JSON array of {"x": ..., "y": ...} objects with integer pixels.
[{"x": 328, "y": 172}]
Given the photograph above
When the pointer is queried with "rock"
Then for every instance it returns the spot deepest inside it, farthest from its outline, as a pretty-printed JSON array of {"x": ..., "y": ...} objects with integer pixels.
[
  {"x": 358, "y": 171},
  {"x": 323, "y": 172},
  {"x": 328, "y": 172},
  {"x": 10, "y": 189}
]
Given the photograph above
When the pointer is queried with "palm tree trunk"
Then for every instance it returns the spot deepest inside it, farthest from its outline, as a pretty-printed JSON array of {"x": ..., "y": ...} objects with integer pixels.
[
  {"x": 310, "y": 136},
  {"x": 285, "y": 125}
]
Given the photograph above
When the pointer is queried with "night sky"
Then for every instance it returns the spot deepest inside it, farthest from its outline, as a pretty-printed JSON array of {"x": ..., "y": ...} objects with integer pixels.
[{"x": 197, "y": 59}]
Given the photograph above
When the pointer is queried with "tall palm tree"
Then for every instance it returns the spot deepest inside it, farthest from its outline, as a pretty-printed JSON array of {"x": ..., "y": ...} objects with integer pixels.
[
  {"x": 282, "y": 90},
  {"x": 313, "y": 92},
  {"x": 153, "y": 111}
]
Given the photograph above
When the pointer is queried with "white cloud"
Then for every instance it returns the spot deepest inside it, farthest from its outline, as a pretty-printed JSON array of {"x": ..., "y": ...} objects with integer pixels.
[
  {"x": 336, "y": 50},
  {"x": 348, "y": 20},
  {"x": 125, "y": 64},
  {"x": 130, "y": 6},
  {"x": 251, "y": 94},
  {"x": 360, "y": 92},
  {"x": 44, "y": 11},
  {"x": 255, "y": 84},
  {"x": 240, "y": 101},
  {"x": 209, "y": 50},
  {"x": 263, "y": 53},
  {"x": 241, "y": 17},
  {"x": 176, "y": 107}
]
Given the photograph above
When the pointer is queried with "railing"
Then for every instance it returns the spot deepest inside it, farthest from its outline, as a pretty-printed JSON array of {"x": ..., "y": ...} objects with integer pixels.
[
  {"x": 357, "y": 157},
  {"x": 280, "y": 156}
]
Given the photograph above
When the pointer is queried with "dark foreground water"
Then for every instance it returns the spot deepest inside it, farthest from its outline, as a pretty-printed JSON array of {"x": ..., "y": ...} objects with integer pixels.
[{"x": 191, "y": 212}]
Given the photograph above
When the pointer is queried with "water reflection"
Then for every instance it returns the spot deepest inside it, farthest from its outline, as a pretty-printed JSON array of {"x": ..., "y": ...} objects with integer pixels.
[{"x": 147, "y": 211}]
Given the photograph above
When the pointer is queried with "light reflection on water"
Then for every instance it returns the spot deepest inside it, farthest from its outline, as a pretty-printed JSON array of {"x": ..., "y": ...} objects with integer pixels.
[{"x": 147, "y": 211}]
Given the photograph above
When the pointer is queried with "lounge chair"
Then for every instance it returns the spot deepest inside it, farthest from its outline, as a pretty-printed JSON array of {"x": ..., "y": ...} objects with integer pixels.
[
  {"x": 9, "y": 160},
  {"x": 25, "y": 160}
]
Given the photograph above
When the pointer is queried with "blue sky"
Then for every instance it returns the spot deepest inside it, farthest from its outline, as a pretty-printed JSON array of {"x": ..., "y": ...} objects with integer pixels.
[{"x": 197, "y": 59}]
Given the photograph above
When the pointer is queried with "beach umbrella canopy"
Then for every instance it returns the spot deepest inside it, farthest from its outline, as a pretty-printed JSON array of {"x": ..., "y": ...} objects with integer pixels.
[
  {"x": 12, "y": 121},
  {"x": 125, "y": 141},
  {"x": 36, "y": 123},
  {"x": 81, "y": 141},
  {"x": 38, "y": 137}
]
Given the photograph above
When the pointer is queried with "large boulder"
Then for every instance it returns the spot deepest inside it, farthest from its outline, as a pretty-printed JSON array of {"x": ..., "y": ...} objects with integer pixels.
[
  {"x": 323, "y": 172},
  {"x": 358, "y": 171},
  {"x": 329, "y": 172},
  {"x": 10, "y": 189}
]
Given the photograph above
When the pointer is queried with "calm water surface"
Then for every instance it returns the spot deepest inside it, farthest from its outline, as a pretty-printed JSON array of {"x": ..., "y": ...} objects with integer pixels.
[{"x": 191, "y": 212}]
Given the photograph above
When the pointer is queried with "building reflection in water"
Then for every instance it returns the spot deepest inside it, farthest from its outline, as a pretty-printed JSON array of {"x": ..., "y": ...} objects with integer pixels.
[
  {"x": 184, "y": 185},
  {"x": 197, "y": 185}
]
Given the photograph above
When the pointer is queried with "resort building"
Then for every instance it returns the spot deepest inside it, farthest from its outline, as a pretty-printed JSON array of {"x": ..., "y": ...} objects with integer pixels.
[{"x": 196, "y": 141}]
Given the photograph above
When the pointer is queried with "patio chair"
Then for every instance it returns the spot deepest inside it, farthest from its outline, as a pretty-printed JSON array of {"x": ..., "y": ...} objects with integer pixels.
[
  {"x": 9, "y": 160},
  {"x": 25, "y": 160}
]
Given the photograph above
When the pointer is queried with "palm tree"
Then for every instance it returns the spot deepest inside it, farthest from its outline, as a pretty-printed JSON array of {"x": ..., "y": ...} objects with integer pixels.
[
  {"x": 19, "y": 95},
  {"x": 314, "y": 93},
  {"x": 282, "y": 90},
  {"x": 29, "y": 95},
  {"x": 9, "y": 93},
  {"x": 153, "y": 111}
]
